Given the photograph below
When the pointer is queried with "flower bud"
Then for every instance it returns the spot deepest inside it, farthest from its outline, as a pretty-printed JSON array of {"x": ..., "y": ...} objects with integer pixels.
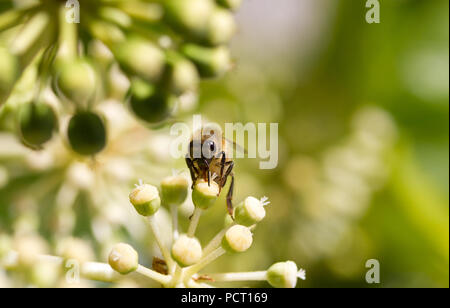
[
  {"x": 182, "y": 74},
  {"x": 10, "y": 70},
  {"x": 140, "y": 57},
  {"x": 29, "y": 247},
  {"x": 237, "y": 239},
  {"x": 186, "y": 251},
  {"x": 148, "y": 103},
  {"x": 37, "y": 122},
  {"x": 211, "y": 62},
  {"x": 145, "y": 199},
  {"x": 221, "y": 27},
  {"x": 75, "y": 249},
  {"x": 189, "y": 16},
  {"x": 77, "y": 81},
  {"x": 123, "y": 259},
  {"x": 230, "y": 4},
  {"x": 86, "y": 133},
  {"x": 204, "y": 196},
  {"x": 249, "y": 212},
  {"x": 174, "y": 189},
  {"x": 284, "y": 275}
]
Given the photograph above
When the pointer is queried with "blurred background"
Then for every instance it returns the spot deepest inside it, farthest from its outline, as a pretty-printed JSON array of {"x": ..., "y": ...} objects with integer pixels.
[{"x": 363, "y": 150}]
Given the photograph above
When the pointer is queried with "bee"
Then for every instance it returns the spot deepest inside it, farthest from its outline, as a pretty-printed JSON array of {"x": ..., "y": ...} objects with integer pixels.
[{"x": 209, "y": 159}]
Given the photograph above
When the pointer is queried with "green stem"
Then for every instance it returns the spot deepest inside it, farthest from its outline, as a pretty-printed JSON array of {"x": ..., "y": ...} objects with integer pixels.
[
  {"x": 165, "y": 252},
  {"x": 194, "y": 222},
  {"x": 163, "y": 279},
  {"x": 216, "y": 241},
  {"x": 203, "y": 262},
  {"x": 244, "y": 276}
]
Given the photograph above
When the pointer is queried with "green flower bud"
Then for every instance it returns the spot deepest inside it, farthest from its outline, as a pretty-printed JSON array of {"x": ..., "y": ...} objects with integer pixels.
[
  {"x": 186, "y": 251},
  {"x": 284, "y": 275},
  {"x": 148, "y": 103},
  {"x": 37, "y": 122},
  {"x": 237, "y": 239},
  {"x": 140, "y": 57},
  {"x": 230, "y": 4},
  {"x": 249, "y": 212},
  {"x": 174, "y": 189},
  {"x": 123, "y": 259},
  {"x": 182, "y": 74},
  {"x": 221, "y": 27},
  {"x": 10, "y": 71},
  {"x": 86, "y": 133},
  {"x": 204, "y": 196},
  {"x": 77, "y": 81},
  {"x": 189, "y": 16},
  {"x": 211, "y": 62},
  {"x": 145, "y": 199}
]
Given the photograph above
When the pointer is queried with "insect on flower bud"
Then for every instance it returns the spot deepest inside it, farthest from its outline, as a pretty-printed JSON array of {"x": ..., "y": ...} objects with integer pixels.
[
  {"x": 86, "y": 133},
  {"x": 221, "y": 27},
  {"x": 37, "y": 122},
  {"x": 145, "y": 199},
  {"x": 186, "y": 251},
  {"x": 250, "y": 211},
  {"x": 237, "y": 239},
  {"x": 230, "y": 4},
  {"x": 148, "y": 103},
  {"x": 174, "y": 189},
  {"x": 140, "y": 57},
  {"x": 284, "y": 275},
  {"x": 9, "y": 66},
  {"x": 204, "y": 196},
  {"x": 211, "y": 62},
  {"x": 77, "y": 81},
  {"x": 123, "y": 259}
]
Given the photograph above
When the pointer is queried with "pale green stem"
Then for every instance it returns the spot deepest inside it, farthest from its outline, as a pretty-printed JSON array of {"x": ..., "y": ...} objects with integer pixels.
[
  {"x": 68, "y": 37},
  {"x": 30, "y": 33},
  {"x": 203, "y": 262},
  {"x": 244, "y": 276},
  {"x": 165, "y": 252},
  {"x": 194, "y": 222},
  {"x": 99, "y": 271},
  {"x": 198, "y": 285},
  {"x": 174, "y": 212},
  {"x": 163, "y": 279},
  {"x": 216, "y": 241}
]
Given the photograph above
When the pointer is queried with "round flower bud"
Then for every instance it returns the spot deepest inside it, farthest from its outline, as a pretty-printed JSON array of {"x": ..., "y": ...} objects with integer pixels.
[
  {"x": 189, "y": 16},
  {"x": 204, "y": 196},
  {"x": 230, "y": 4},
  {"x": 123, "y": 259},
  {"x": 86, "y": 133},
  {"x": 174, "y": 189},
  {"x": 183, "y": 76},
  {"x": 237, "y": 239},
  {"x": 283, "y": 275},
  {"x": 37, "y": 122},
  {"x": 221, "y": 27},
  {"x": 140, "y": 57},
  {"x": 149, "y": 104},
  {"x": 249, "y": 212},
  {"x": 145, "y": 199},
  {"x": 76, "y": 249},
  {"x": 186, "y": 251},
  {"x": 77, "y": 81},
  {"x": 10, "y": 68},
  {"x": 29, "y": 247},
  {"x": 211, "y": 62}
]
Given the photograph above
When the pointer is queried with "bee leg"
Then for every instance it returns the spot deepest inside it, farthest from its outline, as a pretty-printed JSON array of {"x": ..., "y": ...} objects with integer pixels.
[
  {"x": 209, "y": 171},
  {"x": 222, "y": 166},
  {"x": 192, "y": 170},
  {"x": 230, "y": 197}
]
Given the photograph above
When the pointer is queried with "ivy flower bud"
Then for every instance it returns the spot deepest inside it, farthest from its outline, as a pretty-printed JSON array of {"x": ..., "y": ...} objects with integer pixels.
[
  {"x": 250, "y": 211},
  {"x": 10, "y": 68},
  {"x": 86, "y": 133},
  {"x": 284, "y": 275},
  {"x": 148, "y": 103},
  {"x": 140, "y": 57},
  {"x": 186, "y": 251},
  {"x": 189, "y": 16},
  {"x": 77, "y": 81},
  {"x": 221, "y": 27},
  {"x": 237, "y": 239},
  {"x": 182, "y": 74},
  {"x": 230, "y": 4},
  {"x": 145, "y": 199},
  {"x": 204, "y": 196},
  {"x": 37, "y": 122},
  {"x": 211, "y": 62},
  {"x": 123, "y": 259},
  {"x": 174, "y": 189}
]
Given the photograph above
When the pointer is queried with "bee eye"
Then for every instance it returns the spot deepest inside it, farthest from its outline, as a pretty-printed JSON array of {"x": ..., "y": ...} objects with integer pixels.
[{"x": 212, "y": 146}]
